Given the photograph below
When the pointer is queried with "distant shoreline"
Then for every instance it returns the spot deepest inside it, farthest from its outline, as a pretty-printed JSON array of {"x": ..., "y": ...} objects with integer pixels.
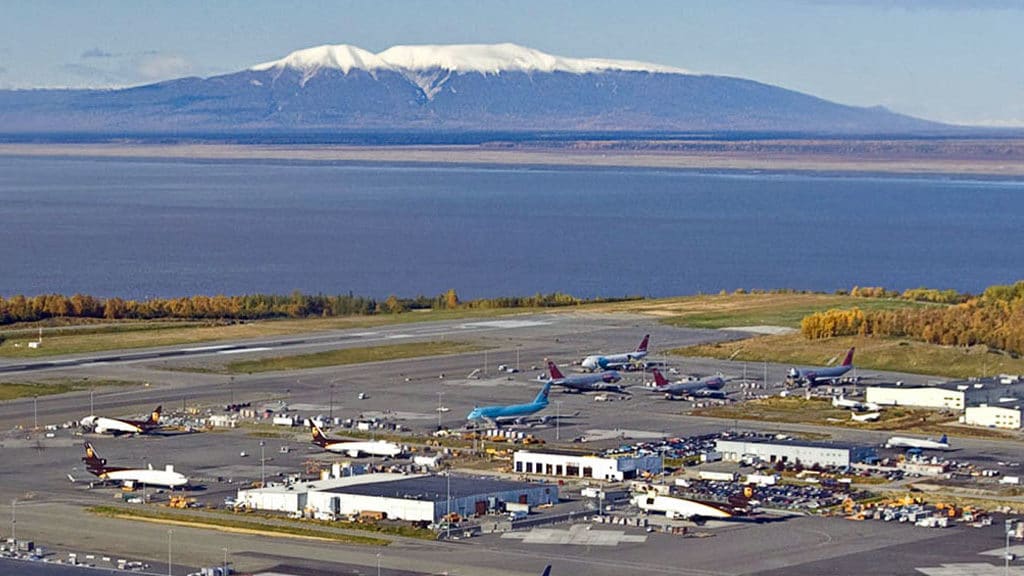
[{"x": 985, "y": 158}]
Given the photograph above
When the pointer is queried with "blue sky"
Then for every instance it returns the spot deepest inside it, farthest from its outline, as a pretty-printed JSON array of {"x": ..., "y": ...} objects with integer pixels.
[{"x": 954, "y": 61}]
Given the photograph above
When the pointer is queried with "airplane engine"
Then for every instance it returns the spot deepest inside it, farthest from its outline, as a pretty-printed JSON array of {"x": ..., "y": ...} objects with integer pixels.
[{"x": 353, "y": 453}]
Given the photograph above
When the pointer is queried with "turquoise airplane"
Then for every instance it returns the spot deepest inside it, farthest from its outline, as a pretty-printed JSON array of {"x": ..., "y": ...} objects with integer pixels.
[{"x": 514, "y": 412}]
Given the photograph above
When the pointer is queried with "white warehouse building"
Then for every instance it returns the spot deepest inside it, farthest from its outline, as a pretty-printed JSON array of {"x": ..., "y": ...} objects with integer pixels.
[
  {"x": 993, "y": 416},
  {"x": 568, "y": 465},
  {"x": 956, "y": 395},
  {"x": 789, "y": 451},
  {"x": 413, "y": 498},
  {"x": 938, "y": 396}
]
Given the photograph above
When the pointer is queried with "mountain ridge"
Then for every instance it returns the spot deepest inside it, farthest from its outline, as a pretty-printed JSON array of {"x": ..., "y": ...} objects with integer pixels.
[{"x": 447, "y": 87}]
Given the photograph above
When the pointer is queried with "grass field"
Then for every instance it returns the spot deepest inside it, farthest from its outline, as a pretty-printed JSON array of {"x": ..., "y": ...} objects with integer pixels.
[
  {"x": 351, "y": 356},
  {"x": 728, "y": 310},
  {"x": 872, "y": 354},
  {"x": 234, "y": 525},
  {"x": 95, "y": 337},
  {"x": 793, "y": 410},
  {"x": 816, "y": 411},
  {"x": 12, "y": 390}
]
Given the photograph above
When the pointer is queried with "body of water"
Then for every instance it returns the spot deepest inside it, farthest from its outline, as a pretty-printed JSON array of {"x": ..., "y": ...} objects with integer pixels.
[{"x": 138, "y": 229}]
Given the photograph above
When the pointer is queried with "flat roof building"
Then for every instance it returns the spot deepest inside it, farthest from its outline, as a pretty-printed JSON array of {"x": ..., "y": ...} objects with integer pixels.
[
  {"x": 430, "y": 498},
  {"x": 569, "y": 465},
  {"x": 790, "y": 451},
  {"x": 1007, "y": 417},
  {"x": 956, "y": 395},
  {"x": 294, "y": 497},
  {"x": 413, "y": 498}
]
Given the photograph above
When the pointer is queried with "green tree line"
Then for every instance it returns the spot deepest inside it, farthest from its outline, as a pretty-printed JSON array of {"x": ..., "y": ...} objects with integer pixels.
[
  {"x": 994, "y": 319},
  {"x": 20, "y": 308}
]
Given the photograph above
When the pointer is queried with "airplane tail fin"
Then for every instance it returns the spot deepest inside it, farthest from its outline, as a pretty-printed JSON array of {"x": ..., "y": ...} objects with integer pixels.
[
  {"x": 92, "y": 460},
  {"x": 643, "y": 343},
  {"x": 659, "y": 380},
  {"x": 542, "y": 396},
  {"x": 716, "y": 383},
  {"x": 944, "y": 439},
  {"x": 553, "y": 371},
  {"x": 318, "y": 435},
  {"x": 547, "y": 571},
  {"x": 849, "y": 358},
  {"x": 743, "y": 498},
  {"x": 154, "y": 417}
]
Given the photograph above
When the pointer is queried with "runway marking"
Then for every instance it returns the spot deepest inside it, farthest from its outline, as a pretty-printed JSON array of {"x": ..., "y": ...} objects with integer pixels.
[
  {"x": 970, "y": 569},
  {"x": 488, "y": 382},
  {"x": 206, "y": 348},
  {"x": 244, "y": 350},
  {"x": 577, "y": 535},
  {"x": 600, "y": 434},
  {"x": 506, "y": 324}
]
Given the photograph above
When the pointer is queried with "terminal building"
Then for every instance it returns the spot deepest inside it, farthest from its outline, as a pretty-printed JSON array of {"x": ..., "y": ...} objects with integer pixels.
[
  {"x": 1007, "y": 417},
  {"x": 412, "y": 498},
  {"x": 574, "y": 465},
  {"x": 957, "y": 395},
  {"x": 790, "y": 451}
]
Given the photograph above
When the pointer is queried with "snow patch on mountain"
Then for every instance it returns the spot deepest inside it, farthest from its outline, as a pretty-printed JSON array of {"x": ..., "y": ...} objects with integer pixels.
[{"x": 459, "y": 58}]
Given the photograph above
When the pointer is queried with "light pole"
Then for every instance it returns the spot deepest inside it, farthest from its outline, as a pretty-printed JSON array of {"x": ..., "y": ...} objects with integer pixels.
[
  {"x": 14, "y": 520},
  {"x": 1006, "y": 555},
  {"x": 263, "y": 466},
  {"x": 448, "y": 515},
  {"x": 35, "y": 412},
  {"x": 92, "y": 401},
  {"x": 439, "y": 395},
  {"x": 332, "y": 404},
  {"x": 170, "y": 532},
  {"x": 378, "y": 563},
  {"x": 558, "y": 419},
  {"x": 225, "y": 571},
  {"x": 518, "y": 346}
]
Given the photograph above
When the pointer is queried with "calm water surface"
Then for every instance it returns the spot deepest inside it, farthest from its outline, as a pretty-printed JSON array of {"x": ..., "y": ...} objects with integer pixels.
[{"x": 137, "y": 229}]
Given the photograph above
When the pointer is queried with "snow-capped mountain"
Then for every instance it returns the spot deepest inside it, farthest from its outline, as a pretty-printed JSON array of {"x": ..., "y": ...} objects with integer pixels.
[{"x": 444, "y": 87}]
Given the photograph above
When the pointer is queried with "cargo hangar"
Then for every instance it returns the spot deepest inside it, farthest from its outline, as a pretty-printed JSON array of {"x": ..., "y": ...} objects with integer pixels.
[
  {"x": 790, "y": 451},
  {"x": 412, "y": 498}
]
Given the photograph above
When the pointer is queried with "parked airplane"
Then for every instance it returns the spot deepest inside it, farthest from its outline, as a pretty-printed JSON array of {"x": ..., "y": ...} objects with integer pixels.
[
  {"x": 709, "y": 387},
  {"x": 117, "y": 426},
  {"x": 616, "y": 361},
  {"x": 98, "y": 467},
  {"x": 737, "y": 506},
  {"x": 602, "y": 382},
  {"x": 920, "y": 444},
  {"x": 354, "y": 448},
  {"x": 497, "y": 413},
  {"x": 867, "y": 417},
  {"x": 813, "y": 376},
  {"x": 842, "y": 402}
]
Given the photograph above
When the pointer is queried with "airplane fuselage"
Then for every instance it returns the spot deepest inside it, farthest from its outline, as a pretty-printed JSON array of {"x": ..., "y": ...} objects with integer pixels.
[
  {"x": 703, "y": 387},
  {"x": 104, "y": 425},
  {"x": 611, "y": 362},
  {"x": 495, "y": 413},
  {"x": 355, "y": 449},
  {"x": 590, "y": 382},
  {"x": 686, "y": 507},
  {"x": 167, "y": 478},
  {"x": 919, "y": 443}
]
